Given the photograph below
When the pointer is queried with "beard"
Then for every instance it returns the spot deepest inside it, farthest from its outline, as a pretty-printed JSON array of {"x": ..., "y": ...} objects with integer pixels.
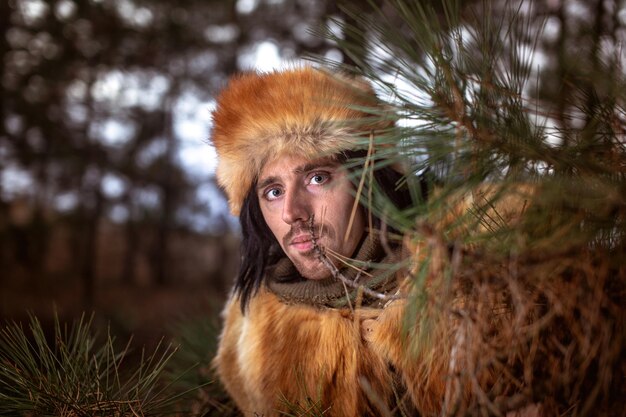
[
  {"x": 308, "y": 263},
  {"x": 317, "y": 233}
]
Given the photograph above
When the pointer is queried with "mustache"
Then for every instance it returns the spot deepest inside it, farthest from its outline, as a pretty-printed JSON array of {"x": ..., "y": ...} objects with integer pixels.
[{"x": 317, "y": 230}]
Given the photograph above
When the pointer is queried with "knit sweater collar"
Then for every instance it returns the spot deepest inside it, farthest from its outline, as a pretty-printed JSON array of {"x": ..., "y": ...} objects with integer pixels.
[{"x": 283, "y": 279}]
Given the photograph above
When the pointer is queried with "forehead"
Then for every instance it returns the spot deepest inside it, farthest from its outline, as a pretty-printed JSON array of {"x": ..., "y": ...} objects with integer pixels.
[{"x": 290, "y": 164}]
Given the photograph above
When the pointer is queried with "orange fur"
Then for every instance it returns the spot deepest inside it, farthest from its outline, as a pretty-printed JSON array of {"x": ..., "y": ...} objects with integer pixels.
[
  {"x": 297, "y": 352},
  {"x": 302, "y": 111},
  {"x": 423, "y": 372}
]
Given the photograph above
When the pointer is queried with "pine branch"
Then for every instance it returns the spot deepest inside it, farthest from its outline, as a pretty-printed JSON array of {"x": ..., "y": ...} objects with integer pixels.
[
  {"x": 321, "y": 255},
  {"x": 70, "y": 375}
]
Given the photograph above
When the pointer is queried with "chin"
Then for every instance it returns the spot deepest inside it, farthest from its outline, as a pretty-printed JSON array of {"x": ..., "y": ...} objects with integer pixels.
[{"x": 314, "y": 270}]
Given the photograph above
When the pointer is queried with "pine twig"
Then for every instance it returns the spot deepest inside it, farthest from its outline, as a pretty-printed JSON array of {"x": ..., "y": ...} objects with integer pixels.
[{"x": 337, "y": 274}]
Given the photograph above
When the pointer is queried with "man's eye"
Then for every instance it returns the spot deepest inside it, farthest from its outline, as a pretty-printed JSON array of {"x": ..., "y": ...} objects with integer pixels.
[
  {"x": 318, "y": 179},
  {"x": 273, "y": 193}
]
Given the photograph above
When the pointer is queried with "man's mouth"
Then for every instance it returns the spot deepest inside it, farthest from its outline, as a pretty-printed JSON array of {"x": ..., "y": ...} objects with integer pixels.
[
  {"x": 301, "y": 240},
  {"x": 302, "y": 243}
]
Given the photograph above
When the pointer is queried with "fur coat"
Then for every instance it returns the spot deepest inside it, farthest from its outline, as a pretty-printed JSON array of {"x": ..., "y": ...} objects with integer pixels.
[{"x": 284, "y": 357}]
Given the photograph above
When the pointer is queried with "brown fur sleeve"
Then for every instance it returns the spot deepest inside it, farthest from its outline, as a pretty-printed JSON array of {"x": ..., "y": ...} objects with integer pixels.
[
  {"x": 422, "y": 370},
  {"x": 425, "y": 362}
]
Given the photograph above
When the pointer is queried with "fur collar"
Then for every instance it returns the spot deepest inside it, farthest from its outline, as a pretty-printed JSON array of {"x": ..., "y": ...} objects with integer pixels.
[{"x": 370, "y": 269}]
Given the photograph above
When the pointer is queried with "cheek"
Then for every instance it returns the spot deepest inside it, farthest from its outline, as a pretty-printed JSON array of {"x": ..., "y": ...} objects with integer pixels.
[
  {"x": 273, "y": 221},
  {"x": 344, "y": 207},
  {"x": 339, "y": 216}
]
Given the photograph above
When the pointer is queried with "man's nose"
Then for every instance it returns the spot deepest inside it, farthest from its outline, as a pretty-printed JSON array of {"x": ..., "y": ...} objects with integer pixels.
[{"x": 296, "y": 207}]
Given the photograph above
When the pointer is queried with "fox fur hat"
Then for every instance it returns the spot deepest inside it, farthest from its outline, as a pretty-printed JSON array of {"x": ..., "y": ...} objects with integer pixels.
[{"x": 301, "y": 111}]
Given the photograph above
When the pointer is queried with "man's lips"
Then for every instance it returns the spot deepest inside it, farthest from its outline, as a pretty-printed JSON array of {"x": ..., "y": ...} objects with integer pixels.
[{"x": 302, "y": 243}]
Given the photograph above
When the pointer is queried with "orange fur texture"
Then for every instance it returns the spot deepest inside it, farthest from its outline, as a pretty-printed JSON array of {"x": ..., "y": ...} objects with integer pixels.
[
  {"x": 301, "y": 111},
  {"x": 301, "y": 353}
]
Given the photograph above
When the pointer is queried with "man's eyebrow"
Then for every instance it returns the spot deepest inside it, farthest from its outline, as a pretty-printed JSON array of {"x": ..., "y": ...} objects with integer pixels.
[
  {"x": 267, "y": 181},
  {"x": 311, "y": 166}
]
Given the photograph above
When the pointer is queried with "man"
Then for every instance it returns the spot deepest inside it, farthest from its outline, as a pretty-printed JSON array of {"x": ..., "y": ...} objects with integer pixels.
[{"x": 303, "y": 328}]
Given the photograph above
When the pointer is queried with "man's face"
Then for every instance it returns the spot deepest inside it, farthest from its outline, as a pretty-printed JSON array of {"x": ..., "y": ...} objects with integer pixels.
[{"x": 290, "y": 190}]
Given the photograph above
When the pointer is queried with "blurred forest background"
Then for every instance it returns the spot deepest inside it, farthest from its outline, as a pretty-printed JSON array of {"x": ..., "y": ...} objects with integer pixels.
[{"x": 107, "y": 195}]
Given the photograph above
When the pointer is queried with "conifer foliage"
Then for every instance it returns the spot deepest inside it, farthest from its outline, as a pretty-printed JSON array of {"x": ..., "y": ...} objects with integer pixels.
[
  {"x": 518, "y": 253},
  {"x": 74, "y": 376}
]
